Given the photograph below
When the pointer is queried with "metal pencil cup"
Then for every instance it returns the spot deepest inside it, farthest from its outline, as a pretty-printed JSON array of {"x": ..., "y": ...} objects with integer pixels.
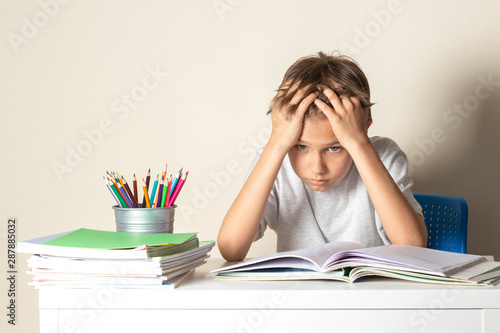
[{"x": 145, "y": 220}]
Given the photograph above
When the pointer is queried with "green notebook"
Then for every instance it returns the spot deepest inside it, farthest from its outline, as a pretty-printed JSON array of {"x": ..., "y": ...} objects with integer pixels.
[{"x": 98, "y": 239}]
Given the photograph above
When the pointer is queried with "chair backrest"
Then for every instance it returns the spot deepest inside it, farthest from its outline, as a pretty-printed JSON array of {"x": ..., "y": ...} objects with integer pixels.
[{"x": 446, "y": 219}]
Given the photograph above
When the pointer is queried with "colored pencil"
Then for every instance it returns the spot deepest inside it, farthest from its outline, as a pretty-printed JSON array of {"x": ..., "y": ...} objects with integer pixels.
[
  {"x": 134, "y": 183},
  {"x": 147, "y": 204},
  {"x": 174, "y": 182},
  {"x": 155, "y": 199},
  {"x": 129, "y": 192},
  {"x": 106, "y": 182},
  {"x": 117, "y": 176},
  {"x": 123, "y": 204},
  {"x": 110, "y": 176},
  {"x": 117, "y": 186},
  {"x": 125, "y": 195},
  {"x": 164, "y": 173},
  {"x": 153, "y": 192},
  {"x": 169, "y": 183},
  {"x": 119, "y": 193},
  {"x": 178, "y": 189},
  {"x": 164, "y": 194},
  {"x": 147, "y": 188},
  {"x": 160, "y": 194}
]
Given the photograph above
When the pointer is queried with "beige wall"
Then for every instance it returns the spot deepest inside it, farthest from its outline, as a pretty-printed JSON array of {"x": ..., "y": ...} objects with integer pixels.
[{"x": 201, "y": 74}]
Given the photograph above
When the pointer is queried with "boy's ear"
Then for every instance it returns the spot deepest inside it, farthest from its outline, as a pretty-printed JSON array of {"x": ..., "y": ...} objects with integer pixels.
[
  {"x": 370, "y": 121},
  {"x": 369, "y": 124}
]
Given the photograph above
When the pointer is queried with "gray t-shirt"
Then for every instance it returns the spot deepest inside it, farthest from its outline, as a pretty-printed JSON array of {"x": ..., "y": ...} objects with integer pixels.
[{"x": 303, "y": 218}]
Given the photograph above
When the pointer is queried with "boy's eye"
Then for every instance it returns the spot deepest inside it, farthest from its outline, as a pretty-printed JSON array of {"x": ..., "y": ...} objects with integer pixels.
[
  {"x": 334, "y": 149},
  {"x": 301, "y": 147}
]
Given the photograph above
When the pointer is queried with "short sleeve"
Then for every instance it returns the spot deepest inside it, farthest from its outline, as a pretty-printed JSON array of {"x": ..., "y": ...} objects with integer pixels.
[{"x": 396, "y": 162}]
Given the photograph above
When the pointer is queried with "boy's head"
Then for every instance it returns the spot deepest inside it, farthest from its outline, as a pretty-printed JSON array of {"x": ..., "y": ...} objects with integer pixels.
[
  {"x": 340, "y": 73},
  {"x": 318, "y": 158}
]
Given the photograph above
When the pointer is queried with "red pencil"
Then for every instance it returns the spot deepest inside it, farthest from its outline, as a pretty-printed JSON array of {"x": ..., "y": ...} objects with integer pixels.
[
  {"x": 169, "y": 190},
  {"x": 178, "y": 189}
]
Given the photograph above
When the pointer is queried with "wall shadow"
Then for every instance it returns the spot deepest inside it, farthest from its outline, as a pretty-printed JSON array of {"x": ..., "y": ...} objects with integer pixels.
[{"x": 467, "y": 164}]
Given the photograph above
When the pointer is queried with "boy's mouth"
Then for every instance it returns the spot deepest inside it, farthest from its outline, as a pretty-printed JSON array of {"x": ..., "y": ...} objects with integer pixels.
[{"x": 318, "y": 182}]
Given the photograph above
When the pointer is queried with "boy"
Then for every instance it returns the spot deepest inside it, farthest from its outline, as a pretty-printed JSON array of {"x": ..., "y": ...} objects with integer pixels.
[{"x": 320, "y": 178}]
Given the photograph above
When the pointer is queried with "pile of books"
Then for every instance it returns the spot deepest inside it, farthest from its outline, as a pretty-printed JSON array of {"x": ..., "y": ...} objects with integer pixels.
[
  {"x": 348, "y": 262},
  {"x": 87, "y": 258}
]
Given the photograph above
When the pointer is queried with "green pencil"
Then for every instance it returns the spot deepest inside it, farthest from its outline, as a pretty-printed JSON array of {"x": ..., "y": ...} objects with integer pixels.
[
  {"x": 118, "y": 195},
  {"x": 165, "y": 188}
]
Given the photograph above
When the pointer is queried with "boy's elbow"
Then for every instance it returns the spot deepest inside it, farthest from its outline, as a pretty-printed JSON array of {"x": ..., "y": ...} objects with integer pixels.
[
  {"x": 414, "y": 241},
  {"x": 421, "y": 235},
  {"x": 229, "y": 250},
  {"x": 418, "y": 235},
  {"x": 231, "y": 257},
  {"x": 417, "y": 239},
  {"x": 420, "y": 241}
]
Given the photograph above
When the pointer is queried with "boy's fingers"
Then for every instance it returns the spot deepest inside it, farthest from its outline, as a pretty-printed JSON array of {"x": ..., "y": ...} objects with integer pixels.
[
  {"x": 357, "y": 105},
  {"x": 299, "y": 96},
  {"x": 355, "y": 101},
  {"x": 333, "y": 98},
  {"x": 306, "y": 102},
  {"x": 325, "y": 108}
]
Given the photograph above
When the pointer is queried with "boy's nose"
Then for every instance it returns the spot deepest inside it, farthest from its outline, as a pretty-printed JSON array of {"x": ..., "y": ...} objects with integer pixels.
[{"x": 317, "y": 164}]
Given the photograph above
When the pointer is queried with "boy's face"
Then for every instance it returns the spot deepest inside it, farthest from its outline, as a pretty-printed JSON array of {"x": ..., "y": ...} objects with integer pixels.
[{"x": 318, "y": 158}]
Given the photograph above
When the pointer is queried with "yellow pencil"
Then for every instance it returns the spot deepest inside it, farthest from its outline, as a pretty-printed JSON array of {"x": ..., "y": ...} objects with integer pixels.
[{"x": 146, "y": 196}]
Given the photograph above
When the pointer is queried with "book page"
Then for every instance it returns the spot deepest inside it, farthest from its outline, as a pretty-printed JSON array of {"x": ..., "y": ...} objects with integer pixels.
[
  {"x": 409, "y": 257},
  {"x": 311, "y": 258},
  {"x": 283, "y": 274},
  {"x": 477, "y": 272}
]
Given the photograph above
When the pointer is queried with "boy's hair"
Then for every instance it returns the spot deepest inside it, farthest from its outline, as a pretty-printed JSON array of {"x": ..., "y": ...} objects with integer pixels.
[{"x": 338, "y": 72}]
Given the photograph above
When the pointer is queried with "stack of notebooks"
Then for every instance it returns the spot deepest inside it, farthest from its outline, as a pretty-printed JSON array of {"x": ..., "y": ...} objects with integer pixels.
[
  {"x": 87, "y": 258},
  {"x": 345, "y": 261}
]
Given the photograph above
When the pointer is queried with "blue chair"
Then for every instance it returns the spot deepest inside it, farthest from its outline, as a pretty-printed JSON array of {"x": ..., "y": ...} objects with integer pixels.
[{"x": 446, "y": 219}]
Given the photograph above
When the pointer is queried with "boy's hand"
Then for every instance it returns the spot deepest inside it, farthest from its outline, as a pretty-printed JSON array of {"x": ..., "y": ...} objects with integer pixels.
[
  {"x": 348, "y": 119},
  {"x": 286, "y": 132}
]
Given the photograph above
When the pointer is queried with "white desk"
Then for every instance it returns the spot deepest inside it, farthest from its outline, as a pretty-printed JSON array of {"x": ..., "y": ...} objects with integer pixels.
[{"x": 204, "y": 304}]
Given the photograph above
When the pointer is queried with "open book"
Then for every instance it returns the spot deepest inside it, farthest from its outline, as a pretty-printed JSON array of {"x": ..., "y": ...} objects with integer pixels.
[{"x": 348, "y": 262}]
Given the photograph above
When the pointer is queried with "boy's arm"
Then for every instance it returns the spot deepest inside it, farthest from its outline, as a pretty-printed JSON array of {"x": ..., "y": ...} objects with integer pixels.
[
  {"x": 400, "y": 221},
  {"x": 243, "y": 218},
  {"x": 350, "y": 123}
]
